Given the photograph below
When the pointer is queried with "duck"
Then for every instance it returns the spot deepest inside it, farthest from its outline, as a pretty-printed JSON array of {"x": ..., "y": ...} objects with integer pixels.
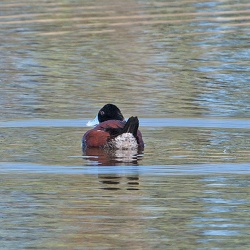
[{"x": 113, "y": 131}]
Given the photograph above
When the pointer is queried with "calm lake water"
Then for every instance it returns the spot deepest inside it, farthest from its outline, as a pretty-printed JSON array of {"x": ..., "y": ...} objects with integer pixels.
[{"x": 182, "y": 67}]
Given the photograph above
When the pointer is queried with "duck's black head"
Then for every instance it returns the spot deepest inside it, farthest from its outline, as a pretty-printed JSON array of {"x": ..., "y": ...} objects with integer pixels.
[{"x": 109, "y": 112}]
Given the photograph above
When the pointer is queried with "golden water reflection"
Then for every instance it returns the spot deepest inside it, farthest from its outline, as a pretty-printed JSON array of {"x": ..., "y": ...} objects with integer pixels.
[
  {"x": 84, "y": 211},
  {"x": 156, "y": 59},
  {"x": 164, "y": 146}
]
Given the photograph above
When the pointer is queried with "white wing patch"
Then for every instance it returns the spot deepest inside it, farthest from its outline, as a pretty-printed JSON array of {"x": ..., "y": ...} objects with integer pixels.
[{"x": 124, "y": 141}]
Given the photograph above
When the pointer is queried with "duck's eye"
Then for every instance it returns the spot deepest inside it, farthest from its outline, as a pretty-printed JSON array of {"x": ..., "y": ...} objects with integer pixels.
[{"x": 102, "y": 112}]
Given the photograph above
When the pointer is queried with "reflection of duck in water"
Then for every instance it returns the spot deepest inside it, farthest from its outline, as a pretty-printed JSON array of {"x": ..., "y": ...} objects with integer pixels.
[
  {"x": 113, "y": 131},
  {"x": 112, "y": 157},
  {"x": 118, "y": 182}
]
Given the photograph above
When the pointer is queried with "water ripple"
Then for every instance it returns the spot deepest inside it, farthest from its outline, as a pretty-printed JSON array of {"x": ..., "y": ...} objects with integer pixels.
[
  {"x": 144, "y": 122},
  {"x": 191, "y": 169}
]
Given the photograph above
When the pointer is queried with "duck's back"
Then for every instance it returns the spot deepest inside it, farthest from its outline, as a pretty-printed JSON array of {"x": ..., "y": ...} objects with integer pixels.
[
  {"x": 101, "y": 136},
  {"x": 110, "y": 124},
  {"x": 98, "y": 136}
]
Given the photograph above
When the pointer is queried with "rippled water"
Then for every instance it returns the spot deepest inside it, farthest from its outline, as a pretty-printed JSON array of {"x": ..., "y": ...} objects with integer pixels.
[{"x": 182, "y": 67}]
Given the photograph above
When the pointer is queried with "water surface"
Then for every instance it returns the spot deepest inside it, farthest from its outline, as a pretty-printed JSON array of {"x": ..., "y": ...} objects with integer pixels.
[{"x": 182, "y": 67}]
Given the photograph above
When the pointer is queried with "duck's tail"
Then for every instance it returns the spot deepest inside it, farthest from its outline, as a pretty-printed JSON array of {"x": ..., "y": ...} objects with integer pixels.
[
  {"x": 126, "y": 137},
  {"x": 131, "y": 126}
]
